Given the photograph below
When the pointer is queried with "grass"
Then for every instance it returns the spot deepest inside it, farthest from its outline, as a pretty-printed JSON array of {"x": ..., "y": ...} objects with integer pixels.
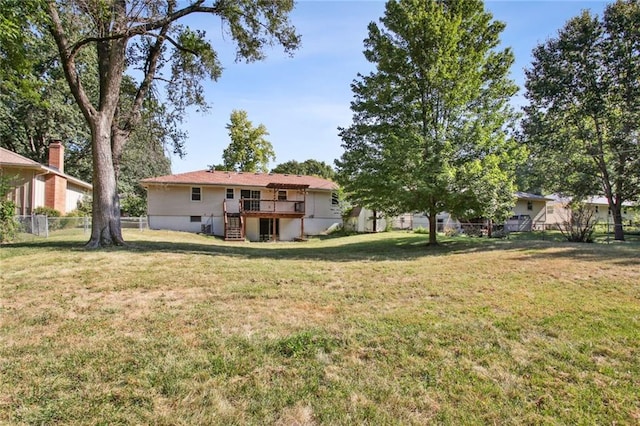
[{"x": 379, "y": 329}]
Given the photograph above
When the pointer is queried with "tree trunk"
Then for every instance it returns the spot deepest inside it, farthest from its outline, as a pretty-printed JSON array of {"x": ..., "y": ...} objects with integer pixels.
[
  {"x": 105, "y": 228},
  {"x": 433, "y": 224},
  {"x": 616, "y": 213}
]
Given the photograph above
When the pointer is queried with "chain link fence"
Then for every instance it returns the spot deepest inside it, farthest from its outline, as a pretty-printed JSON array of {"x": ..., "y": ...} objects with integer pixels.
[{"x": 44, "y": 226}]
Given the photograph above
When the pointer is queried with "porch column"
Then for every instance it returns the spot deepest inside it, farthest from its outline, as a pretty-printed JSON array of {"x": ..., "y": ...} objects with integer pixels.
[{"x": 274, "y": 229}]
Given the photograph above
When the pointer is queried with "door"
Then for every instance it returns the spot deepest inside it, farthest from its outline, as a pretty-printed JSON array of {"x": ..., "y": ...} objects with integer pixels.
[{"x": 266, "y": 229}]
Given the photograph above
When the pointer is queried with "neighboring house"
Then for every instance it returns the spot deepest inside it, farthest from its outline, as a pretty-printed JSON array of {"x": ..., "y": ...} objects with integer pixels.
[
  {"x": 529, "y": 213},
  {"x": 239, "y": 205},
  {"x": 35, "y": 185},
  {"x": 558, "y": 211},
  {"x": 363, "y": 220}
]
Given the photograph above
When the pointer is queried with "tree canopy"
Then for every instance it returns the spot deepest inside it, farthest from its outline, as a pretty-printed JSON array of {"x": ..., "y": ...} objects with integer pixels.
[
  {"x": 148, "y": 38},
  {"x": 430, "y": 124},
  {"x": 248, "y": 151},
  {"x": 307, "y": 168},
  {"x": 36, "y": 106},
  {"x": 582, "y": 123}
]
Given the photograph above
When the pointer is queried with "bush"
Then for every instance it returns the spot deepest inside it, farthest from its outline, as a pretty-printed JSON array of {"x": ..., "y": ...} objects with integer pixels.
[
  {"x": 580, "y": 225},
  {"x": 85, "y": 206},
  {"x": 133, "y": 205},
  {"x": 420, "y": 230},
  {"x": 8, "y": 224},
  {"x": 46, "y": 211}
]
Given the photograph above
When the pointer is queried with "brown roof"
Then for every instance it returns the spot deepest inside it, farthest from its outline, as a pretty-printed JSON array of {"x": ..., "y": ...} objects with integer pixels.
[
  {"x": 13, "y": 160},
  {"x": 221, "y": 178}
]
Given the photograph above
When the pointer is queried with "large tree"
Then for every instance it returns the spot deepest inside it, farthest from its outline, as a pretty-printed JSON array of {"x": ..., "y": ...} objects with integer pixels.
[
  {"x": 583, "y": 119},
  {"x": 36, "y": 106},
  {"x": 248, "y": 151},
  {"x": 308, "y": 168},
  {"x": 147, "y": 37},
  {"x": 430, "y": 124}
]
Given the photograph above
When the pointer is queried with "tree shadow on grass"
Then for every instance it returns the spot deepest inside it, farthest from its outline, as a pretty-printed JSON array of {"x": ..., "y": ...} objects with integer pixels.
[
  {"x": 623, "y": 254},
  {"x": 378, "y": 247}
]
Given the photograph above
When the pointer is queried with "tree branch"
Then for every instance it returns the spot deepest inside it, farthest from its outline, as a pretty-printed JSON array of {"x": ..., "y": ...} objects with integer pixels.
[
  {"x": 146, "y": 28},
  {"x": 68, "y": 62}
]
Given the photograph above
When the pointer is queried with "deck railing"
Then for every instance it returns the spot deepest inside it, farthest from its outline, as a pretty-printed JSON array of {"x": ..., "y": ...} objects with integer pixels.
[{"x": 259, "y": 205}]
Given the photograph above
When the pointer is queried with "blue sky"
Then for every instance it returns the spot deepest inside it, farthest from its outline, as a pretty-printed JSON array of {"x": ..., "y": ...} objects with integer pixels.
[{"x": 303, "y": 99}]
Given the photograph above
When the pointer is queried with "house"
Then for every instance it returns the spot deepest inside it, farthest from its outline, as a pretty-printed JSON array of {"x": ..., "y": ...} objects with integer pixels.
[
  {"x": 364, "y": 220},
  {"x": 529, "y": 213},
  {"x": 239, "y": 205},
  {"x": 35, "y": 185},
  {"x": 558, "y": 211}
]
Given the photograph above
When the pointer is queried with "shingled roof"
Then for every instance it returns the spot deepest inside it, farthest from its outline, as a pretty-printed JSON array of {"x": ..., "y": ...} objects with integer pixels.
[
  {"x": 10, "y": 159},
  {"x": 222, "y": 178}
]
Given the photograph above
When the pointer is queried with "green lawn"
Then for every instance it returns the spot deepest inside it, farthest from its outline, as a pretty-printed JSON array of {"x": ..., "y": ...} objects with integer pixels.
[{"x": 378, "y": 329}]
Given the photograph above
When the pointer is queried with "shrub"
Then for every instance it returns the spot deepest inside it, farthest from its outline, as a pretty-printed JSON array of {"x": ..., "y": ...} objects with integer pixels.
[
  {"x": 133, "y": 205},
  {"x": 85, "y": 205},
  {"x": 46, "y": 211},
  {"x": 580, "y": 224},
  {"x": 8, "y": 224},
  {"x": 420, "y": 230}
]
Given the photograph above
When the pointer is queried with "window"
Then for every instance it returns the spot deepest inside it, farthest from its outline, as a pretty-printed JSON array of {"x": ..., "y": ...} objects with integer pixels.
[
  {"x": 196, "y": 219},
  {"x": 549, "y": 209},
  {"x": 229, "y": 193},
  {"x": 282, "y": 195},
  {"x": 596, "y": 209},
  {"x": 250, "y": 200},
  {"x": 196, "y": 193},
  {"x": 334, "y": 199},
  {"x": 529, "y": 205}
]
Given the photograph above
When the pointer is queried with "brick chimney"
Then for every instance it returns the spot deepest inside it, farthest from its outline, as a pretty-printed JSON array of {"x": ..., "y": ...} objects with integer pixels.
[
  {"x": 55, "y": 186},
  {"x": 56, "y": 155}
]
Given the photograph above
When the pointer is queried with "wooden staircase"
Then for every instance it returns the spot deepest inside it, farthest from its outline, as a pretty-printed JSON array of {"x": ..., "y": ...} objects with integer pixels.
[{"x": 233, "y": 227}]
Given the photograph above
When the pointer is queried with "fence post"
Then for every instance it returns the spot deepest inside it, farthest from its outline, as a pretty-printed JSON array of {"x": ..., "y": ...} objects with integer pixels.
[{"x": 46, "y": 226}]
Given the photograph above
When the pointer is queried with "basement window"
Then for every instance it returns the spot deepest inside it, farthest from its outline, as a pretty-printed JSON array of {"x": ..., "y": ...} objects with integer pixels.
[
  {"x": 196, "y": 219},
  {"x": 196, "y": 193}
]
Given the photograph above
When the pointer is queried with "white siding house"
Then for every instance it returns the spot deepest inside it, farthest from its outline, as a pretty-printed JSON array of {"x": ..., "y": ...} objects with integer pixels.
[{"x": 237, "y": 205}]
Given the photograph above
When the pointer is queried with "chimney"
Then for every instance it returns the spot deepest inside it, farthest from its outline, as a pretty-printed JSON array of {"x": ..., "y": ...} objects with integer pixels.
[{"x": 56, "y": 155}]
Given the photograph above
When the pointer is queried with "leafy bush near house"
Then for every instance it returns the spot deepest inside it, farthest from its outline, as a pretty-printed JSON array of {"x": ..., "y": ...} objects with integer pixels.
[
  {"x": 56, "y": 220},
  {"x": 46, "y": 211},
  {"x": 420, "y": 230},
  {"x": 85, "y": 206},
  {"x": 8, "y": 224},
  {"x": 133, "y": 205},
  {"x": 580, "y": 224}
]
